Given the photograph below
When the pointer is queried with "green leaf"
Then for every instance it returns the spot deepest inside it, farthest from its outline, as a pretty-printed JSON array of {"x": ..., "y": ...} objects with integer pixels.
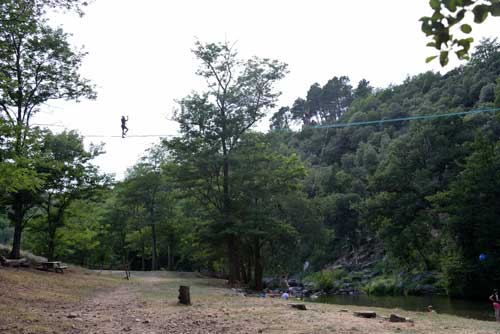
[
  {"x": 461, "y": 15},
  {"x": 437, "y": 16},
  {"x": 429, "y": 59},
  {"x": 435, "y": 4},
  {"x": 443, "y": 58},
  {"x": 461, "y": 54},
  {"x": 443, "y": 37},
  {"x": 451, "y": 5},
  {"x": 426, "y": 27},
  {"x": 431, "y": 44},
  {"x": 465, "y": 43},
  {"x": 466, "y": 28},
  {"x": 480, "y": 13},
  {"x": 495, "y": 9}
]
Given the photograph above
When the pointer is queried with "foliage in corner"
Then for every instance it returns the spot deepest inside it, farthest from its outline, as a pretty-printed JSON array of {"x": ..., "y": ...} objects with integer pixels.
[{"x": 448, "y": 28}]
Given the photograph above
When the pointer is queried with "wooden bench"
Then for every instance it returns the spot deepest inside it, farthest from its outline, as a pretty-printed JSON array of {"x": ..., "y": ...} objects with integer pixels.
[{"x": 53, "y": 265}]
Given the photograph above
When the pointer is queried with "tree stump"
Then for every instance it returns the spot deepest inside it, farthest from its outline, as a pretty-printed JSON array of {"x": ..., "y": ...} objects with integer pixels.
[{"x": 184, "y": 297}]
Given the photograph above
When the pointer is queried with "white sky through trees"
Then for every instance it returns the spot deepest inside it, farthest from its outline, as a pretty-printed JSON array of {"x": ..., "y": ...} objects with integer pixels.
[{"x": 140, "y": 60}]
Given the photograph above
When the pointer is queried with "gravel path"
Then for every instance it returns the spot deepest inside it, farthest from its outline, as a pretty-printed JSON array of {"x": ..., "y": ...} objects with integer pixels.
[{"x": 113, "y": 311}]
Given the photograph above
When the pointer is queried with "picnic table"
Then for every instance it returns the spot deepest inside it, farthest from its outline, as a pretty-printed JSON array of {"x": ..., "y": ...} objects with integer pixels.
[{"x": 53, "y": 265}]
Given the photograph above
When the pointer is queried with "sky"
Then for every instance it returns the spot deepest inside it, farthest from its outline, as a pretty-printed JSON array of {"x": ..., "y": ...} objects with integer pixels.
[{"x": 140, "y": 60}]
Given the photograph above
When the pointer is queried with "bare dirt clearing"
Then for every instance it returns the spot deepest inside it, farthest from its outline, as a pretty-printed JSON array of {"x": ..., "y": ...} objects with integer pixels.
[{"x": 38, "y": 302}]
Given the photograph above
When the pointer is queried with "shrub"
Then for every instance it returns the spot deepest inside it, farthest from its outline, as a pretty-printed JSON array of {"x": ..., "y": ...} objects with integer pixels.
[
  {"x": 383, "y": 286},
  {"x": 325, "y": 279}
]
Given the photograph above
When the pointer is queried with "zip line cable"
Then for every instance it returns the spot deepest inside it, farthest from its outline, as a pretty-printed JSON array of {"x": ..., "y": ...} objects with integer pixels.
[
  {"x": 128, "y": 136},
  {"x": 326, "y": 126},
  {"x": 410, "y": 118},
  {"x": 103, "y": 136}
]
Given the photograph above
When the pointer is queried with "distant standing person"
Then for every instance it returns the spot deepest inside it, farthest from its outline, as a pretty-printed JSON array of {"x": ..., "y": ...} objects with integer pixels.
[
  {"x": 496, "y": 304},
  {"x": 124, "y": 126}
]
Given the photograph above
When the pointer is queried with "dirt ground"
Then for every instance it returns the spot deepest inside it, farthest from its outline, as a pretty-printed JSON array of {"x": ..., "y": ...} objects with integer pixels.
[{"x": 80, "y": 302}]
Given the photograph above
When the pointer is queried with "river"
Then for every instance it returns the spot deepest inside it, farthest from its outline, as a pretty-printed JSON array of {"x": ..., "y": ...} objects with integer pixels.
[{"x": 475, "y": 309}]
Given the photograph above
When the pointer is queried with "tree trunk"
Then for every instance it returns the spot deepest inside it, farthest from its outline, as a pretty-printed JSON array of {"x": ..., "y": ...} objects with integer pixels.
[
  {"x": 169, "y": 258},
  {"x": 232, "y": 246},
  {"x": 51, "y": 244},
  {"x": 16, "y": 243},
  {"x": 258, "y": 265},
  {"x": 143, "y": 261},
  {"x": 18, "y": 218},
  {"x": 153, "y": 251},
  {"x": 18, "y": 198},
  {"x": 249, "y": 269},
  {"x": 243, "y": 273},
  {"x": 233, "y": 256}
]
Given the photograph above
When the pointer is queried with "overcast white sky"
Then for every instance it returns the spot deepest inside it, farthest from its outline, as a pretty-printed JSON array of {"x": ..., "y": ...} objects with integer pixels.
[{"x": 140, "y": 60}]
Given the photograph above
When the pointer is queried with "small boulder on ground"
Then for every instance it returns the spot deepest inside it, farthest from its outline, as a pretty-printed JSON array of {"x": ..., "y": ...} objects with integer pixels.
[
  {"x": 397, "y": 318},
  {"x": 72, "y": 315},
  {"x": 16, "y": 263},
  {"x": 365, "y": 314},
  {"x": 298, "y": 306}
]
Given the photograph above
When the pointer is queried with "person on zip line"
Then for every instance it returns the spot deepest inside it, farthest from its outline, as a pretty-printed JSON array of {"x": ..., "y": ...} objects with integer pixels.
[{"x": 124, "y": 126}]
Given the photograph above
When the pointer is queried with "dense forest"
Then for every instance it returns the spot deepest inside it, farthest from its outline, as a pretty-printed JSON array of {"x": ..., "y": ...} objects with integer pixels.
[{"x": 337, "y": 175}]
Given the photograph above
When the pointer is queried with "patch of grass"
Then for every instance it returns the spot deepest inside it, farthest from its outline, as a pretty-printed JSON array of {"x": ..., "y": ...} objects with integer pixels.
[{"x": 29, "y": 298}]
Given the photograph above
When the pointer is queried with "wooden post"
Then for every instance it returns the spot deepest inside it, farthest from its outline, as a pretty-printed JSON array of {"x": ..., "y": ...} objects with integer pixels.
[
  {"x": 184, "y": 297},
  {"x": 126, "y": 268}
]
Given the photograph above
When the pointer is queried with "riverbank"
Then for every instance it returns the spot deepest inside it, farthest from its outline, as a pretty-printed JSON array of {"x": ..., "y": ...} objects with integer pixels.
[{"x": 82, "y": 302}]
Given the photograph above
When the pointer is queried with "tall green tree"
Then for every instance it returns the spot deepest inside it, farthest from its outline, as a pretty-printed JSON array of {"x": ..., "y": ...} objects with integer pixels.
[
  {"x": 323, "y": 105},
  {"x": 262, "y": 178},
  {"x": 68, "y": 175},
  {"x": 470, "y": 214},
  {"x": 213, "y": 122},
  {"x": 151, "y": 191},
  {"x": 37, "y": 64}
]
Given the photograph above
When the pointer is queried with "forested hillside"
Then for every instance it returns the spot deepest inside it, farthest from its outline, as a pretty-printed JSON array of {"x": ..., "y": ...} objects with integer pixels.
[
  {"x": 427, "y": 190},
  {"x": 341, "y": 172}
]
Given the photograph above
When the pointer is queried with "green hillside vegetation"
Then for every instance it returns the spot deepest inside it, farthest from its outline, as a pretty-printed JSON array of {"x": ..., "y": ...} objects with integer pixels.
[{"x": 425, "y": 190}]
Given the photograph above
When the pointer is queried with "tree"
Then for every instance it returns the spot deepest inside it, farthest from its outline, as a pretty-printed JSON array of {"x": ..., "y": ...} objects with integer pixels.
[
  {"x": 37, "y": 64},
  {"x": 447, "y": 15},
  {"x": 148, "y": 189},
  {"x": 68, "y": 175},
  {"x": 323, "y": 105},
  {"x": 40, "y": 7},
  {"x": 12, "y": 176},
  {"x": 281, "y": 120},
  {"x": 470, "y": 214},
  {"x": 213, "y": 122},
  {"x": 363, "y": 89},
  {"x": 336, "y": 97},
  {"x": 301, "y": 112},
  {"x": 497, "y": 93},
  {"x": 262, "y": 178}
]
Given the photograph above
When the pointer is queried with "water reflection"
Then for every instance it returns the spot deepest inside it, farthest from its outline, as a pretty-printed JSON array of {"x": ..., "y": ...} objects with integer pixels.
[{"x": 481, "y": 310}]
